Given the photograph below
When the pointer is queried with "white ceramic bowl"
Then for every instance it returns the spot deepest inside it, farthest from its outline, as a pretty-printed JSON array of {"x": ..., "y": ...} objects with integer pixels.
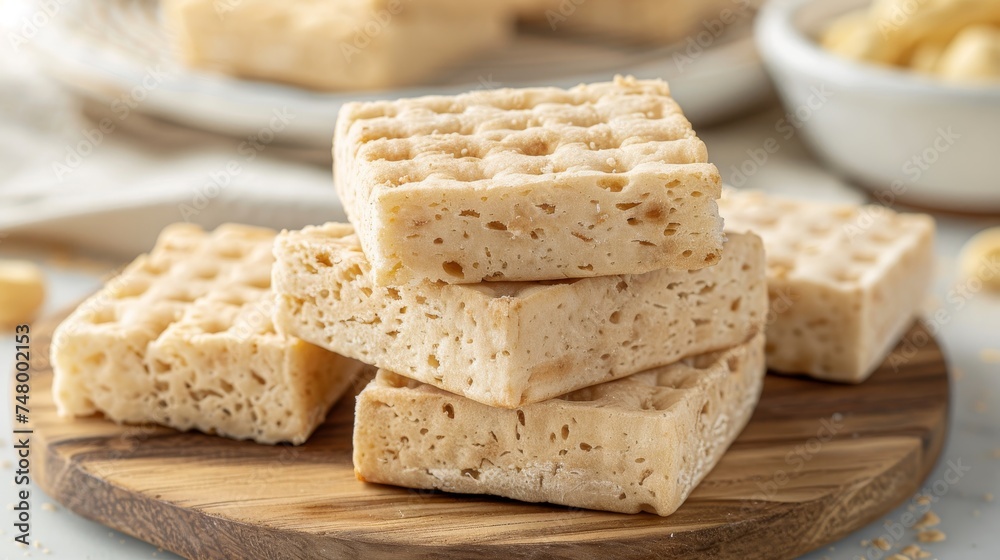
[{"x": 906, "y": 137}]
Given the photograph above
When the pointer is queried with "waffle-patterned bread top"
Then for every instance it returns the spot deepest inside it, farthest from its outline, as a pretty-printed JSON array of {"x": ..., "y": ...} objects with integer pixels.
[
  {"x": 529, "y": 184},
  {"x": 840, "y": 245},
  {"x": 844, "y": 281},
  {"x": 184, "y": 337}
]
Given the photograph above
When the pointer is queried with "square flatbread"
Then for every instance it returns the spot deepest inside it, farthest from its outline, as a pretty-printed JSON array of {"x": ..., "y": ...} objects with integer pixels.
[
  {"x": 845, "y": 282},
  {"x": 184, "y": 338},
  {"x": 528, "y": 184},
  {"x": 508, "y": 344},
  {"x": 334, "y": 44},
  {"x": 636, "y": 444}
]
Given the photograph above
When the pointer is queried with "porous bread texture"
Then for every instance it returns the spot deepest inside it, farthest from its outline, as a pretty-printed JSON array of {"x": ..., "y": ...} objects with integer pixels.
[
  {"x": 507, "y": 344},
  {"x": 184, "y": 338},
  {"x": 334, "y": 44},
  {"x": 528, "y": 184},
  {"x": 642, "y": 443},
  {"x": 845, "y": 282}
]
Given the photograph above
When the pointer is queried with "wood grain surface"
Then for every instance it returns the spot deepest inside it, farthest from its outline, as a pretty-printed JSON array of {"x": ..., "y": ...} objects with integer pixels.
[{"x": 816, "y": 462}]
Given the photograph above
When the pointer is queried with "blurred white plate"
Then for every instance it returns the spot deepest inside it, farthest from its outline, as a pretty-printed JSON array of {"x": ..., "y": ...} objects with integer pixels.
[{"x": 106, "y": 49}]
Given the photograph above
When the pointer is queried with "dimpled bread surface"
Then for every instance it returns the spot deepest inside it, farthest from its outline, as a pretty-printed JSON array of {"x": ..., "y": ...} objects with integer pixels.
[
  {"x": 636, "y": 444},
  {"x": 845, "y": 282},
  {"x": 184, "y": 338},
  {"x": 528, "y": 184},
  {"x": 507, "y": 344},
  {"x": 334, "y": 44}
]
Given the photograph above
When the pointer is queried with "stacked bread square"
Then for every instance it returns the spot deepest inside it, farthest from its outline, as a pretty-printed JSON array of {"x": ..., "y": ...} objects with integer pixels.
[
  {"x": 184, "y": 337},
  {"x": 542, "y": 278}
]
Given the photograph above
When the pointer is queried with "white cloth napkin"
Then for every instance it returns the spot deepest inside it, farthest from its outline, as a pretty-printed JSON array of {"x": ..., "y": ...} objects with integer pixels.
[{"x": 65, "y": 179}]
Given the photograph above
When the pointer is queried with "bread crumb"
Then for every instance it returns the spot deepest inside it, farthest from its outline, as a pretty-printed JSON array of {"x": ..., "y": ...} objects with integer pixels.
[
  {"x": 37, "y": 544},
  {"x": 915, "y": 552},
  {"x": 898, "y": 557},
  {"x": 882, "y": 543},
  {"x": 988, "y": 497},
  {"x": 980, "y": 406},
  {"x": 923, "y": 500},
  {"x": 990, "y": 356},
  {"x": 929, "y": 519},
  {"x": 931, "y": 535},
  {"x": 49, "y": 507}
]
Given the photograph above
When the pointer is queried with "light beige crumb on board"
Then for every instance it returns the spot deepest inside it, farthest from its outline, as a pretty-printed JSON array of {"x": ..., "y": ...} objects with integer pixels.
[
  {"x": 930, "y": 519},
  {"x": 923, "y": 500},
  {"x": 990, "y": 356},
  {"x": 898, "y": 557},
  {"x": 987, "y": 497},
  {"x": 881, "y": 543},
  {"x": 49, "y": 507},
  {"x": 931, "y": 536}
]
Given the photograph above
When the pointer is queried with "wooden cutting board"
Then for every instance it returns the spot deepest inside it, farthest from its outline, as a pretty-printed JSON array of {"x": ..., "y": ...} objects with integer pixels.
[{"x": 816, "y": 462}]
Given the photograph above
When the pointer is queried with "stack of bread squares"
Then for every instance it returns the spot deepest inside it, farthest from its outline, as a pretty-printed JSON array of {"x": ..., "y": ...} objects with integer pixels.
[{"x": 542, "y": 278}]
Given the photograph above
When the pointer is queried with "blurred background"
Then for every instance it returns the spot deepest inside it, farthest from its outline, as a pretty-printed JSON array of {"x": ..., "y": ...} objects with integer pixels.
[{"x": 118, "y": 117}]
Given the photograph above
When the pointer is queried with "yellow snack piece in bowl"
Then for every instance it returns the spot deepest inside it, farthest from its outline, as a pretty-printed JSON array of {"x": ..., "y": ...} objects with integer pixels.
[
  {"x": 974, "y": 55},
  {"x": 981, "y": 258},
  {"x": 905, "y": 24},
  {"x": 927, "y": 57},
  {"x": 914, "y": 33},
  {"x": 852, "y": 36}
]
